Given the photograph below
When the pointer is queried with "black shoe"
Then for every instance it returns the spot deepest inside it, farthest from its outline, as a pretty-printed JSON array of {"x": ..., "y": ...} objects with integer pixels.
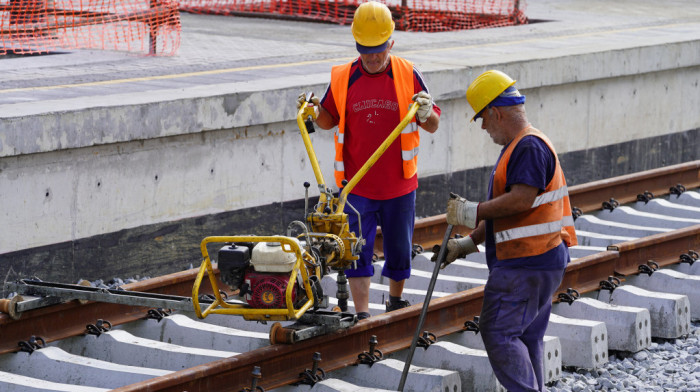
[
  {"x": 363, "y": 315},
  {"x": 400, "y": 304}
]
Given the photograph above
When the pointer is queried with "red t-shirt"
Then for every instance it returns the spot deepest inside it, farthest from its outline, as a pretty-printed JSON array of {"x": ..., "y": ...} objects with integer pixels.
[{"x": 372, "y": 113}]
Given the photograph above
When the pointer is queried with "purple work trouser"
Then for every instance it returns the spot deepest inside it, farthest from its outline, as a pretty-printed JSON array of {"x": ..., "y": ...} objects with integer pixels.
[{"x": 514, "y": 317}]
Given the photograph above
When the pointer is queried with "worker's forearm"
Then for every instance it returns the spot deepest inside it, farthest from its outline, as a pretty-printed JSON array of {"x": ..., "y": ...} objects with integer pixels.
[
  {"x": 479, "y": 233},
  {"x": 324, "y": 120},
  {"x": 518, "y": 200},
  {"x": 431, "y": 125}
]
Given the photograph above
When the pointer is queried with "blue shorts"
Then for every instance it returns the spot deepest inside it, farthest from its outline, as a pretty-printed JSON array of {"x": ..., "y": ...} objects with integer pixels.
[{"x": 396, "y": 217}]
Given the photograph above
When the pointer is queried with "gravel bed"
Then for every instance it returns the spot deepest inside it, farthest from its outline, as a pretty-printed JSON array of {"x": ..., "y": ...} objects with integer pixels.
[{"x": 667, "y": 365}]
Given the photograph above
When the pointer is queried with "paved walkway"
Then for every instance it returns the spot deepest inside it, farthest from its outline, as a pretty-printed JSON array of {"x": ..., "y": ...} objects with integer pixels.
[{"x": 220, "y": 54}]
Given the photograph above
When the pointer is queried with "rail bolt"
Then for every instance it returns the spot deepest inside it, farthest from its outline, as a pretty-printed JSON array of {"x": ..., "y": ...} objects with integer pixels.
[
  {"x": 570, "y": 296},
  {"x": 472, "y": 326},
  {"x": 373, "y": 355},
  {"x": 426, "y": 340}
]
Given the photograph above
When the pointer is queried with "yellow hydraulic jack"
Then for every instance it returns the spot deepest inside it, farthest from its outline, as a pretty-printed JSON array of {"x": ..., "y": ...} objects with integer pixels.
[{"x": 278, "y": 277}]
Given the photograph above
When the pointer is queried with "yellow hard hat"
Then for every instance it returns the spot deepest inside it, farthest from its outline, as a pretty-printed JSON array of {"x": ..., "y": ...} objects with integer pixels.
[
  {"x": 485, "y": 88},
  {"x": 372, "y": 27}
]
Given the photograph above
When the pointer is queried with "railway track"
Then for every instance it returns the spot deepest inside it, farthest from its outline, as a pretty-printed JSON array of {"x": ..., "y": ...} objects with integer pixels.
[{"x": 617, "y": 234}]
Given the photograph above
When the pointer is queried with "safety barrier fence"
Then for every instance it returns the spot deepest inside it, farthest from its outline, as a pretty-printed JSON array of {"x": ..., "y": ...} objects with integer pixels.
[
  {"x": 153, "y": 26},
  {"x": 410, "y": 15},
  {"x": 42, "y": 26}
]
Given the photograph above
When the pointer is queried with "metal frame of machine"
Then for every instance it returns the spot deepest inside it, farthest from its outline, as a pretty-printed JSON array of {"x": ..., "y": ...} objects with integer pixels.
[{"x": 326, "y": 243}]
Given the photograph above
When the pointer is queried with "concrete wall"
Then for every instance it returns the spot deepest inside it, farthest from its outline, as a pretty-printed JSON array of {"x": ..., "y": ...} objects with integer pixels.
[{"x": 117, "y": 189}]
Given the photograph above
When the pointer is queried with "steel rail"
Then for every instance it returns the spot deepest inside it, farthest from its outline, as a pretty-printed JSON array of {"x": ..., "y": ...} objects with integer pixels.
[
  {"x": 660, "y": 248},
  {"x": 70, "y": 318},
  {"x": 445, "y": 315},
  {"x": 282, "y": 364},
  {"x": 586, "y": 197},
  {"x": 626, "y": 188}
]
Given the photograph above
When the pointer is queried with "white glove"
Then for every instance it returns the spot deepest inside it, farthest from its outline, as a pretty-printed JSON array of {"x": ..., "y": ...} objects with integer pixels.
[
  {"x": 463, "y": 212},
  {"x": 458, "y": 248},
  {"x": 426, "y": 105}
]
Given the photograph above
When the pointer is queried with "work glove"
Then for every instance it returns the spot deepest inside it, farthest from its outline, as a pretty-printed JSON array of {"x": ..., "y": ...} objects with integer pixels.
[
  {"x": 426, "y": 105},
  {"x": 458, "y": 248},
  {"x": 463, "y": 212},
  {"x": 311, "y": 107}
]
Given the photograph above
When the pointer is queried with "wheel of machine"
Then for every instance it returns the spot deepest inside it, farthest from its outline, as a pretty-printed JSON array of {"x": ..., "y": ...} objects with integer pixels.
[
  {"x": 273, "y": 332},
  {"x": 281, "y": 335},
  {"x": 9, "y": 306},
  {"x": 339, "y": 261}
]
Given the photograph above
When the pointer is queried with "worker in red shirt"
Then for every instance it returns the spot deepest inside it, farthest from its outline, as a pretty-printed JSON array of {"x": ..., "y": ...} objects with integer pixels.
[{"x": 366, "y": 99}]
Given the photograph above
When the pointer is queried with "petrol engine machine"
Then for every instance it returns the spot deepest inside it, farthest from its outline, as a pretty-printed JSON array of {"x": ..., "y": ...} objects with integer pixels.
[
  {"x": 279, "y": 277},
  {"x": 274, "y": 278}
]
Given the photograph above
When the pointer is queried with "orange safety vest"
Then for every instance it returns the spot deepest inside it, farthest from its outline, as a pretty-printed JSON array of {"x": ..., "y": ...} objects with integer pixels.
[
  {"x": 546, "y": 224},
  {"x": 410, "y": 138}
]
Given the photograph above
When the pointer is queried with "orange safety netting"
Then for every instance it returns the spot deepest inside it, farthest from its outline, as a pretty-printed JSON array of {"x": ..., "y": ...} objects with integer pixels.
[
  {"x": 41, "y": 26},
  {"x": 410, "y": 15}
]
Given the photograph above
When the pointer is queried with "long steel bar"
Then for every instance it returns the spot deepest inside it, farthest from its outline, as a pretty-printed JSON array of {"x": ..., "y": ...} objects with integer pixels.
[
  {"x": 69, "y": 318},
  {"x": 426, "y": 302},
  {"x": 115, "y": 296}
]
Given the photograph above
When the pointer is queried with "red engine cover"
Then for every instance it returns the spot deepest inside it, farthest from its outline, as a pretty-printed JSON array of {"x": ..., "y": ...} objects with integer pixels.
[{"x": 268, "y": 290}]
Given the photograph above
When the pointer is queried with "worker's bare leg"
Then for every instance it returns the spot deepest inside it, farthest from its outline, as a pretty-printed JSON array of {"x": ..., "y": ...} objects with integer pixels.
[
  {"x": 359, "y": 287},
  {"x": 396, "y": 287}
]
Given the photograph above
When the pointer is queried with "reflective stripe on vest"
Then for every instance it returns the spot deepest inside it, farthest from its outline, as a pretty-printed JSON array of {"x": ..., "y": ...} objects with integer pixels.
[
  {"x": 409, "y": 154},
  {"x": 549, "y": 197},
  {"x": 546, "y": 224},
  {"x": 410, "y": 137},
  {"x": 533, "y": 230}
]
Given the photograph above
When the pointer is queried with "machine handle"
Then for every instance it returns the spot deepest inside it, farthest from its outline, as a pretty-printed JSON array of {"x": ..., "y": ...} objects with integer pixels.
[
  {"x": 303, "y": 128},
  {"x": 376, "y": 155}
]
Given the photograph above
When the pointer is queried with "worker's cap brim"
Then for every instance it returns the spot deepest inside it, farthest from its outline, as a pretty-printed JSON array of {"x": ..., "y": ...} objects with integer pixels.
[{"x": 371, "y": 49}]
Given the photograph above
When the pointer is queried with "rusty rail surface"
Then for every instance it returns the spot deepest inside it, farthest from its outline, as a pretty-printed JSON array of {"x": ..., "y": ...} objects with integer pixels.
[
  {"x": 587, "y": 197},
  {"x": 445, "y": 315},
  {"x": 625, "y": 188},
  {"x": 70, "y": 318}
]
